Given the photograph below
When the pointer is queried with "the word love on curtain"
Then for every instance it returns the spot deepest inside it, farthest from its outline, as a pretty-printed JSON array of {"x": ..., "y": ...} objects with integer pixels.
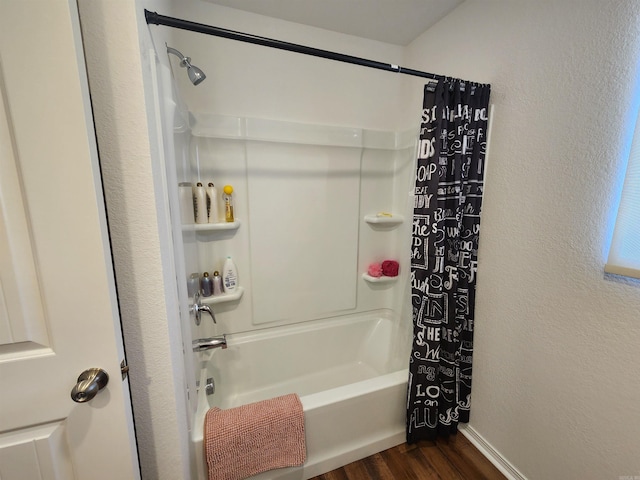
[{"x": 446, "y": 226}]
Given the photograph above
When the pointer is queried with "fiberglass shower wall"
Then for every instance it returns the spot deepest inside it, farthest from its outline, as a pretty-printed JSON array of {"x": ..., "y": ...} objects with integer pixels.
[
  {"x": 305, "y": 236},
  {"x": 312, "y": 148}
]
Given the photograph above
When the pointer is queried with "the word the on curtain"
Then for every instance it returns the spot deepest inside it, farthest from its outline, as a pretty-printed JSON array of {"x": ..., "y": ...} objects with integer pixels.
[{"x": 446, "y": 227}]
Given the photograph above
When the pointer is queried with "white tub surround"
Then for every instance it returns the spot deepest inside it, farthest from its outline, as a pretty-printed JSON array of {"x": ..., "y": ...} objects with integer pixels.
[{"x": 318, "y": 203}]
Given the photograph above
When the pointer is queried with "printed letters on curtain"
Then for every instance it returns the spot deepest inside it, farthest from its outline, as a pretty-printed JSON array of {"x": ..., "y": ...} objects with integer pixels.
[{"x": 444, "y": 257}]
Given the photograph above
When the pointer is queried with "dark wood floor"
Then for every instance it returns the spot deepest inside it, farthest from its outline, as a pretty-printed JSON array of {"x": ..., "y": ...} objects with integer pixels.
[{"x": 446, "y": 459}]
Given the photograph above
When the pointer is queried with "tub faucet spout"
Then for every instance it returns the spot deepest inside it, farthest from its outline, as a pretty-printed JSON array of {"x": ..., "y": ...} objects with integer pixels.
[{"x": 202, "y": 344}]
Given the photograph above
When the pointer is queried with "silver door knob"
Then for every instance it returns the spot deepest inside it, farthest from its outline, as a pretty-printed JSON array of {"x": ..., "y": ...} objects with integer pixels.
[{"x": 90, "y": 382}]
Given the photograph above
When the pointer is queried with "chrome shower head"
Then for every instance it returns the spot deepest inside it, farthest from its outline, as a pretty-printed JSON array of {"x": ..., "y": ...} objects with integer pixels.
[{"x": 195, "y": 74}]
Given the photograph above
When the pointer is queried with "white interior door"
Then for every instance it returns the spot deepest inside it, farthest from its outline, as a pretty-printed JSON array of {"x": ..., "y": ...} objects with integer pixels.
[{"x": 58, "y": 308}]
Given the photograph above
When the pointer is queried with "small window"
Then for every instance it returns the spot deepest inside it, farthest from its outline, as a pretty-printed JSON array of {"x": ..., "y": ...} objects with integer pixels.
[{"x": 624, "y": 254}]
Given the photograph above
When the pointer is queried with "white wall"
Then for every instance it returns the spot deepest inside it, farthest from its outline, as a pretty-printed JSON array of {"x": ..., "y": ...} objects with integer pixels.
[
  {"x": 255, "y": 81},
  {"x": 120, "y": 84},
  {"x": 556, "y": 360}
]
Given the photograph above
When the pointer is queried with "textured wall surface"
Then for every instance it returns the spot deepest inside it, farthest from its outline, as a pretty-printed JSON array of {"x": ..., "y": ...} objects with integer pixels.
[
  {"x": 556, "y": 382},
  {"x": 117, "y": 69}
]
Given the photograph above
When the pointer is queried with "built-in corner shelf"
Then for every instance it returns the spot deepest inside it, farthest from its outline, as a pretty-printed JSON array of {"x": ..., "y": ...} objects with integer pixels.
[
  {"x": 379, "y": 219},
  {"x": 214, "y": 227},
  {"x": 225, "y": 297},
  {"x": 382, "y": 279}
]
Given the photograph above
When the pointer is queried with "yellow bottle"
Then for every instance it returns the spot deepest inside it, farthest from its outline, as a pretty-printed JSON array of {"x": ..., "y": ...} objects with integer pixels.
[{"x": 228, "y": 203}]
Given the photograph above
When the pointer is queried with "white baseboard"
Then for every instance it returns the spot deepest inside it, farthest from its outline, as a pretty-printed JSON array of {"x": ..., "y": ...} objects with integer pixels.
[{"x": 491, "y": 453}]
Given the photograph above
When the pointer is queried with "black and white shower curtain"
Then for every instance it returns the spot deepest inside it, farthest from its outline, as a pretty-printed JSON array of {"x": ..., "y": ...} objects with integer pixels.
[{"x": 446, "y": 227}]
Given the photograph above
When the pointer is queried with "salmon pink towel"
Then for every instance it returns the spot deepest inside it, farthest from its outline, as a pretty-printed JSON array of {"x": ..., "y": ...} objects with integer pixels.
[{"x": 246, "y": 440}]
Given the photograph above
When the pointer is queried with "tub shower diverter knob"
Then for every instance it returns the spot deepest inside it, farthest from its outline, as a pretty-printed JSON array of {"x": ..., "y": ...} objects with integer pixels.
[
  {"x": 206, "y": 309},
  {"x": 197, "y": 308},
  {"x": 90, "y": 382}
]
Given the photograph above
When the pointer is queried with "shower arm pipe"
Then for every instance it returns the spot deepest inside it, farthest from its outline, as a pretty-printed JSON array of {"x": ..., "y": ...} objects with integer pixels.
[
  {"x": 154, "y": 18},
  {"x": 183, "y": 59}
]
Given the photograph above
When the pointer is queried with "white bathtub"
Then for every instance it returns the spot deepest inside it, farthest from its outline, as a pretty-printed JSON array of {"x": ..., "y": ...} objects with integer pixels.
[{"x": 350, "y": 373}]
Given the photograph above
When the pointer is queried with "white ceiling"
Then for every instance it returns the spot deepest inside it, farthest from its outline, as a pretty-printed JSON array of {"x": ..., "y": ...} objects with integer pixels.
[{"x": 392, "y": 21}]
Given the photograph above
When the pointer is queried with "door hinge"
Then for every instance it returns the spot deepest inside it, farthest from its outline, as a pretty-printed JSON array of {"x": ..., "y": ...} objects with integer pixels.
[{"x": 124, "y": 369}]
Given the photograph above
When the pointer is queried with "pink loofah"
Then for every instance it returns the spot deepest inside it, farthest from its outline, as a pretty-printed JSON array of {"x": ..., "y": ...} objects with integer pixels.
[
  {"x": 375, "y": 270},
  {"x": 390, "y": 268}
]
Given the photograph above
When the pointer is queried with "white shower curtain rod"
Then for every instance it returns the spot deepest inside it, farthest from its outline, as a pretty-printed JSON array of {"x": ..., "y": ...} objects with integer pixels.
[{"x": 154, "y": 18}]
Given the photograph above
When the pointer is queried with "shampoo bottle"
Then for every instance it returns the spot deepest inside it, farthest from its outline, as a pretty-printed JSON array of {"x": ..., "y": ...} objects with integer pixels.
[
  {"x": 200, "y": 203},
  {"x": 212, "y": 203},
  {"x": 217, "y": 283},
  {"x": 193, "y": 284},
  {"x": 228, "y": 203},
  {"x": 206, "y": 285},
  {"x": 229, "y": 276}
]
